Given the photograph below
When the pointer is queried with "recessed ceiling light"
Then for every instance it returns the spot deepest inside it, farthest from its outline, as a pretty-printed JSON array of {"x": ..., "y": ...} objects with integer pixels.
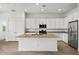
[
  {"x": 59, "y": 9},
  {"x": 25, "y": 10},
  {"x": 42, "y": 9},
  {"x": 37, "y": 3}
]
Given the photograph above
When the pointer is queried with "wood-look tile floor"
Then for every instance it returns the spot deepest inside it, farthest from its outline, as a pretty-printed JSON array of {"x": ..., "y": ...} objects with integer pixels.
[{"x": 10, "y": 48}]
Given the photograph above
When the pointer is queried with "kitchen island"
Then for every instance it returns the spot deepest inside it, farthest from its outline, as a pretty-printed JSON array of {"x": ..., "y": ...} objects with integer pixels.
[{"x": 37, "y": 42}]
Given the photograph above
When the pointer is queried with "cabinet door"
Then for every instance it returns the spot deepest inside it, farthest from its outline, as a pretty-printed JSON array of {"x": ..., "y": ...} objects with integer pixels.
[
  {"x": 28, "y": 44},
  {"x": 47, "y": 44},
  {"x": 11, "y": 27},
  {"x": 51, "y": 23},
  {"x": 59, "y": 23},
  {"x": 27, "y": 23}
]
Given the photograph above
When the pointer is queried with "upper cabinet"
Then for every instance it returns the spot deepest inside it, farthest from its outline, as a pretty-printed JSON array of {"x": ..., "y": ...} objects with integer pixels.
[
  {"x": 55, "y": 23},
  {"x": 51, "y": 23},
  {"x": 16, "y": 22}
]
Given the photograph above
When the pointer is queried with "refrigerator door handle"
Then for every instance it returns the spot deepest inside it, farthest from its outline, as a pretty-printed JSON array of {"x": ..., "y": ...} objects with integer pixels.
[{"x": 70, "y": 30}]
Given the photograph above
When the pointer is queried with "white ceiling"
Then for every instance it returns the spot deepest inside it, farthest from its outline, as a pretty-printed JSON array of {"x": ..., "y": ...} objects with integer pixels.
[{"x": 33, "y": 8}]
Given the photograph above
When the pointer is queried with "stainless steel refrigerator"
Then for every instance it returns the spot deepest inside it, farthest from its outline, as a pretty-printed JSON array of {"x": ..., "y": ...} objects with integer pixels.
[{"x": 73, "y": 34}]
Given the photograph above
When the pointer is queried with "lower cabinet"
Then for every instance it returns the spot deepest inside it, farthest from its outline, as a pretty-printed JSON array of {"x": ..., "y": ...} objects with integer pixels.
[{"x": 37, "y": 44}]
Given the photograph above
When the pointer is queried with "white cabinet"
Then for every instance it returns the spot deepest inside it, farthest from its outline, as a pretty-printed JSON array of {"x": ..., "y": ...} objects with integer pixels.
[
  {"x": 51, "y": 23},
  {"x": 47, "y": 44},
  {"x": 55, "y": 23},
  {"x": 11, "y": 26},
  {"x": 27, "y": 23},
  {"x": 32, "y": 23},
  {"x": 16, "y": 23},
  {"x": 28, "y": 44},
  {"x": 59, "y": 23},
  {"x": 37, "y": 44}
]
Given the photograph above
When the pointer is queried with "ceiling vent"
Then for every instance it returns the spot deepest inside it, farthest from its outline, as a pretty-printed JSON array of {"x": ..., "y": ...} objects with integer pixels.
[
  {"x": 43, "y": 5},
  {"x": 13, "y": 10}
]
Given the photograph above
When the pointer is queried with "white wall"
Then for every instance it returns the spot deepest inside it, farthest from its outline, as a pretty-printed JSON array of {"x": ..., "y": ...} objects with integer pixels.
[{"x": 70, "y": 16}]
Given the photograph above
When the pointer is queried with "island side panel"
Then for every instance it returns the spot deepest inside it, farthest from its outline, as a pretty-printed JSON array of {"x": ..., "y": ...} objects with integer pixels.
[{"x": 37, "y": 44}]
